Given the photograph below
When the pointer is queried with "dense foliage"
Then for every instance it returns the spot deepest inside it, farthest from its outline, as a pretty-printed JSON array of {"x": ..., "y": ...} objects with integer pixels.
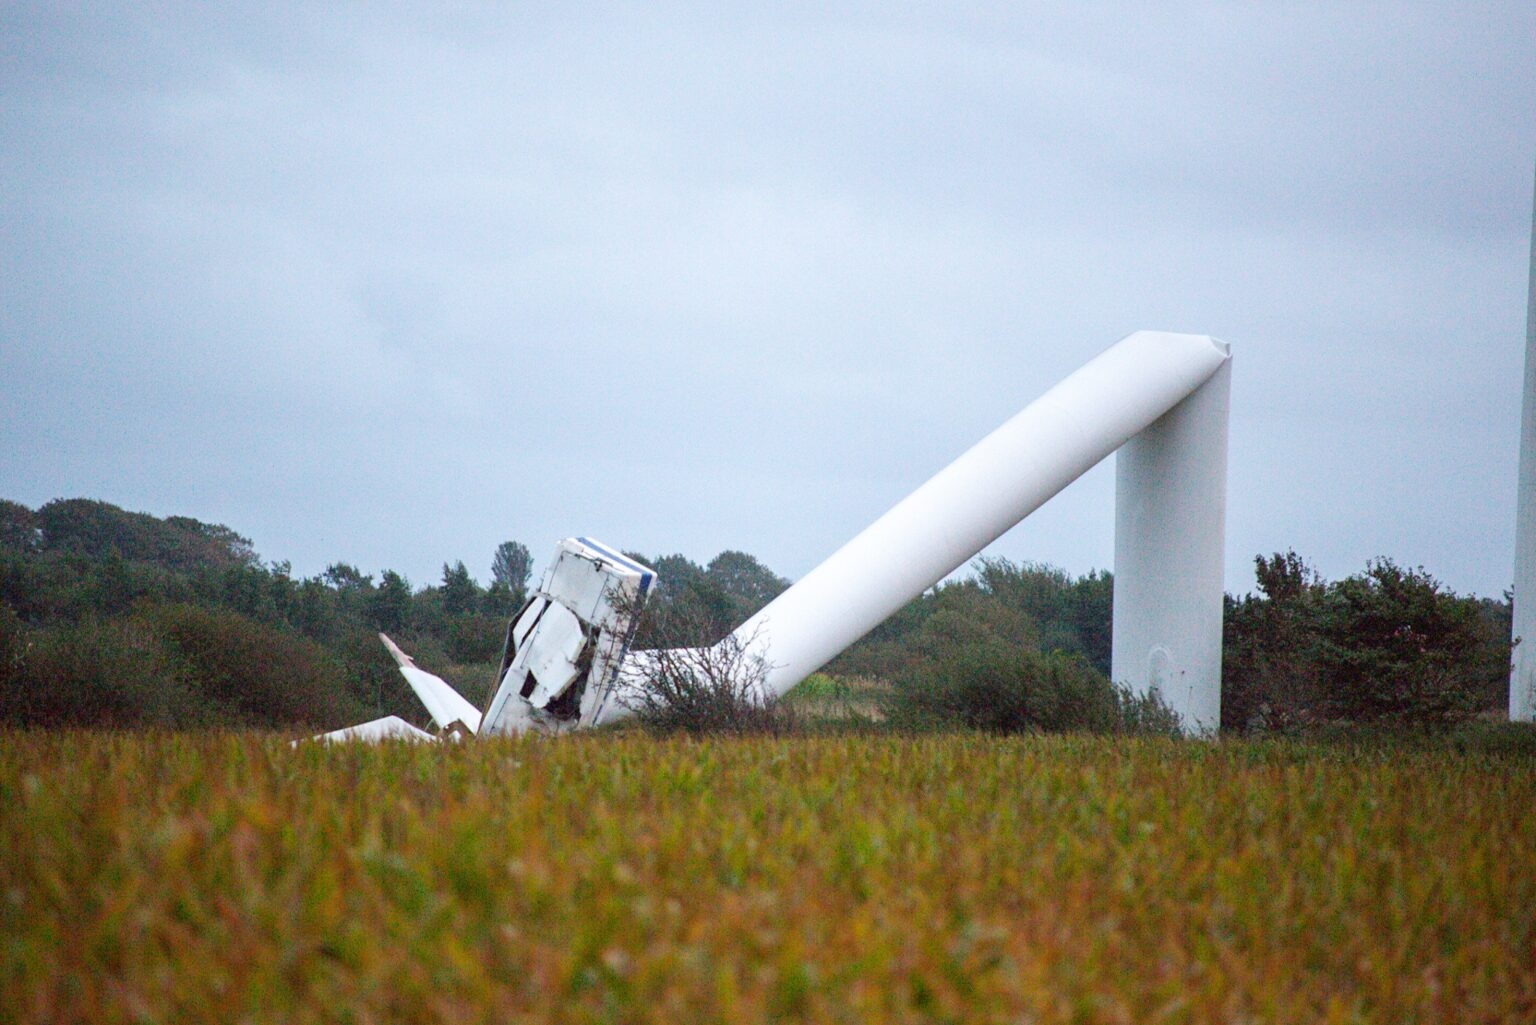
[
  {"x": 1026, "y": 647},
  {"x": 941, "y": 878},
  {"x": 1004, "y": 689},
  {"x": 113, "y": 618},
  {"x": 1385, "y": 647},
  {"x": 1013, "y": 648},
  {"x": 1028, "y": 606}
]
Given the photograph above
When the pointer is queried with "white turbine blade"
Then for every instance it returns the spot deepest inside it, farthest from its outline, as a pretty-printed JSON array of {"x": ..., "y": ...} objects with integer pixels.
[
  {"x": 391, "y": 727},
  {"x": 400, "y": 657},
  {"x": 446, "y": 705}
]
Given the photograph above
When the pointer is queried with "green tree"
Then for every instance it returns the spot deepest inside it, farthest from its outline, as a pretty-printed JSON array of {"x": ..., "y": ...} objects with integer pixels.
[
  {"x": 389, "y": 607},
  {"x": 253, "y": 673},
  {"x": 748, "y": 583},
  {"x": 684, "y": 598},
  {"x": 461, "y": 595},
  {"x": 344, "y": 577},
  {"x": 95, "y": 672},
  {"x": 510, "y": 569},
  {"x": 1070, "y": 615},
  {"x": 511, "y": 566},
  {"x": 1093, "y": 600},
  {"x": 190, "y": 542},
  {"x": 1385, "y": 647},
  {"x": 1005, "y": 688},
  {"x": 96, "y": 529},
  {"x": 1029, "y": 605},
  {"x": 1271, "y": 677},
  {"x": 18, "y": 527},
  {"x": 1396, "y": 647}
]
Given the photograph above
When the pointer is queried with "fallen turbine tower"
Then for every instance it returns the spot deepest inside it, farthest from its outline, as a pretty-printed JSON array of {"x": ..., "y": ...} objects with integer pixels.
[{"x": 1160, "y": 399}]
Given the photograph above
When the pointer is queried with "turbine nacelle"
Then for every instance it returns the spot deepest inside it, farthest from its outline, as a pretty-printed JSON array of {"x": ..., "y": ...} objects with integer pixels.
[{"x": 560, "y": 663}]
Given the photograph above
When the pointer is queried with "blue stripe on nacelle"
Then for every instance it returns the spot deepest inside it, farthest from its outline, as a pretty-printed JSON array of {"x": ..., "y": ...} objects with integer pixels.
[{"x": 646, "y": 574}]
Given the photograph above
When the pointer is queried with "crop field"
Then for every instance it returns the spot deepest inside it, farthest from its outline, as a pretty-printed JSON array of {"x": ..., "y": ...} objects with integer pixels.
[{"x": 623, "y": 878}]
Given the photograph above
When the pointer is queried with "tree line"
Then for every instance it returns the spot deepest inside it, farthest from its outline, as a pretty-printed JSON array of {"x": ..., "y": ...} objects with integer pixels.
[{"x": 110, "y": 618}]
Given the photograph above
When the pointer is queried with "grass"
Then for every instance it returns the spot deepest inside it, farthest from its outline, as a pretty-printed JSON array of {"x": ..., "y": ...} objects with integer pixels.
[
  {"x": 839, "y": 699},
  {"x": 622, "y": 878}
]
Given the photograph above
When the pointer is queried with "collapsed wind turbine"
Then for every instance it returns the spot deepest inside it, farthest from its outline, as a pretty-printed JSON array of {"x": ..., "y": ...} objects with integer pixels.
[{"x": 1159, "y": 398}]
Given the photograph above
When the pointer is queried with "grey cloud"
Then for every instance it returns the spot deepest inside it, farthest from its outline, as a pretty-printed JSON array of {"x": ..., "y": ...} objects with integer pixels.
[{"x": 392, "y": 284}]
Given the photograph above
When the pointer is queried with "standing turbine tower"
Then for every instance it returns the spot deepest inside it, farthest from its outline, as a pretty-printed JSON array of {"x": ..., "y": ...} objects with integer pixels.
[{"x": 1522, "y": 677}]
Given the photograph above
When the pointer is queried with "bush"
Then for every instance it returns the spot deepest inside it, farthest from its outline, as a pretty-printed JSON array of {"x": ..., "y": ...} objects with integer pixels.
[
  {"x": 1146, "y": 714},
  {"x": 95, "y": 673},
  {"x": 1004, "y": 689},
  {"x": 1389, "y": 647},
  {"x": 699, "y": 690},
  {"x": 255, "y": 674},
  {"x": 473, "y": 639},
  {"x": 693, "y": 680}
]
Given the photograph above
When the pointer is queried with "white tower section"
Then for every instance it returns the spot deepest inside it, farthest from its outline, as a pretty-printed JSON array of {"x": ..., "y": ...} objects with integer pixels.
[
  {"x": 1169, "y": 389},
  {"x": 1522, "y": 677},
  {"x": 1170, "y": 530}
]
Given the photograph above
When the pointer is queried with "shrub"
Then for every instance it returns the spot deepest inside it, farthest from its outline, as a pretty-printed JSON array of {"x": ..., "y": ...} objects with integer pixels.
[
  {"x": 252, "y": 673},
  {"x": 1005, "y": 689},
  {"x": 94, "y": 673},
  {"x": 1146, "y": 714},
  {"x": 1396, "y": 648},
  {"x": 1387, "y": 647},
  {"x": 708, "y": 689},
  {"x": 693, "y": 680},
  {"x": 475, "y": 638}
]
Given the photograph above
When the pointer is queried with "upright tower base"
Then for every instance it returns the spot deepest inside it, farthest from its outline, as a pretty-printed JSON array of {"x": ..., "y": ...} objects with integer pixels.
[{"x": 1170, "y": 550}]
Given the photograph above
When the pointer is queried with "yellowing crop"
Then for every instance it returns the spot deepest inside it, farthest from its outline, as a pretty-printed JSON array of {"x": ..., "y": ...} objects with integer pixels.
[{"x": 620, "y": 878}]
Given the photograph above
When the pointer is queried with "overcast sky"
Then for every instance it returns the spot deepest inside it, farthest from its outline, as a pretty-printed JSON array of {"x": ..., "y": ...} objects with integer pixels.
[{"x": 390, "y": 284}]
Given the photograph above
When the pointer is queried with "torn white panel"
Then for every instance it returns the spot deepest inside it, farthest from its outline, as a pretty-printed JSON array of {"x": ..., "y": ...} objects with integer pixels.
[
  {"x": 562, "y": 655},
  {"x": 523, "y": 625},
  {"x": 554, "y": 655}
]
